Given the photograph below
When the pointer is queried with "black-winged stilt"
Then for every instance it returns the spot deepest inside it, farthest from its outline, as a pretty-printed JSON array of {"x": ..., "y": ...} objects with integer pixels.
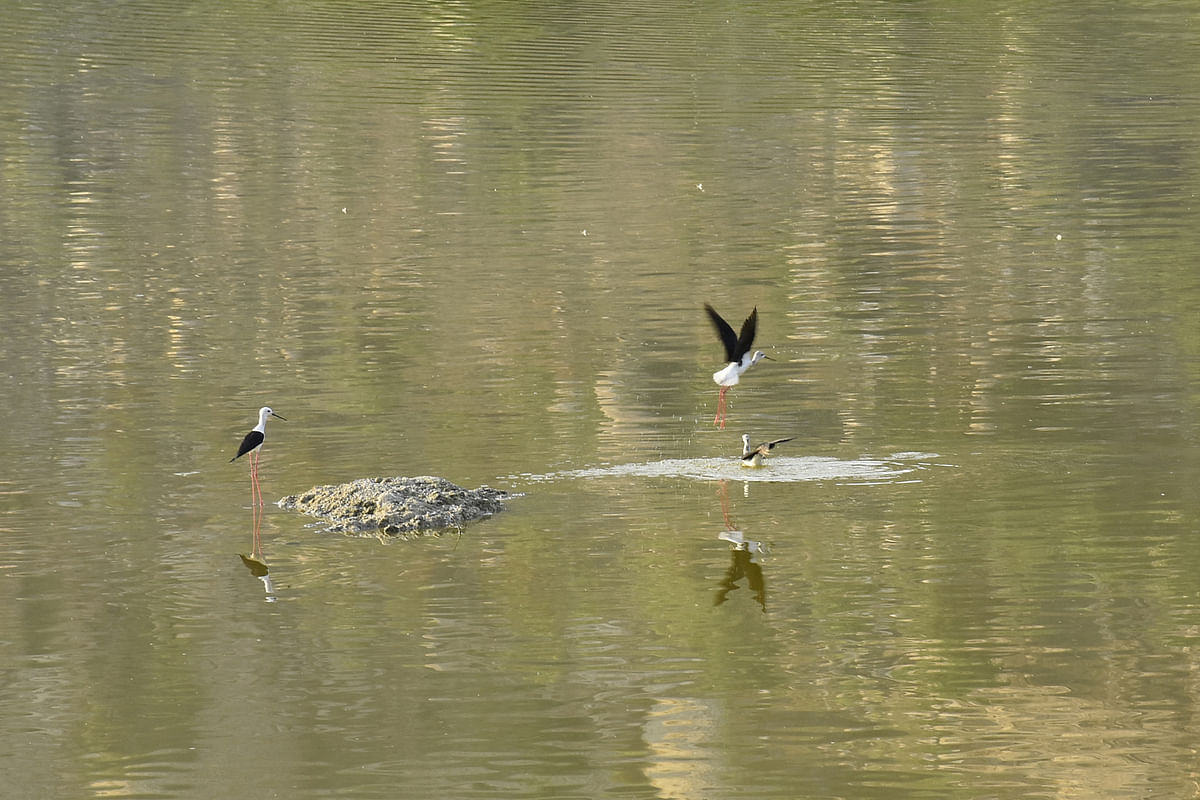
[
  {"x": 753, "y": 456},
  {"x": 252, "y": 444},
  {"x": 737, "y": 355}
]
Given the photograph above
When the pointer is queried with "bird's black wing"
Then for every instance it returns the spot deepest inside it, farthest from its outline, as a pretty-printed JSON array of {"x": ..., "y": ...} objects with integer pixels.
[
  {"x": 771, "y": 445},
  {"x": 746, "y": 338},
  {"x": 253, "y": 439},
  {"x": 728, "y": 337}
]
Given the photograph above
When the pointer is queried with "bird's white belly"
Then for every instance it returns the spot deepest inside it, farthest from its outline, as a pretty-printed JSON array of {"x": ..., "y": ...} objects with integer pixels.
[{"x": 728, "y": 376}]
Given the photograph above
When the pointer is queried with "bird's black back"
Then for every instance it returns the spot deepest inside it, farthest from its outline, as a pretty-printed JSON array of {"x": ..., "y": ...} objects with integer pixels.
[{"x": 253, "y": 439}]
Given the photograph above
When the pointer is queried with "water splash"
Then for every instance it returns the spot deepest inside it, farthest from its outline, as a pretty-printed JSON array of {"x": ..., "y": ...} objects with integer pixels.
[{"x": 781, "y": 469}]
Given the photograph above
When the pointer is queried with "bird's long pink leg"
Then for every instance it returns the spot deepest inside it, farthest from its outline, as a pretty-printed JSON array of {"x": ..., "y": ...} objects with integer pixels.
[
  {"x": 719, "y": 419},
  {"x": 256, "y": 504},
  {"x": 254, "y": 478},
  {"x": 253, "y": 503}
]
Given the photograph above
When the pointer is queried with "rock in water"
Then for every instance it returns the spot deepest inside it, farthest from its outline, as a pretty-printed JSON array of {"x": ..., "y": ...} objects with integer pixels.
[{"x": 396, "y": 506}]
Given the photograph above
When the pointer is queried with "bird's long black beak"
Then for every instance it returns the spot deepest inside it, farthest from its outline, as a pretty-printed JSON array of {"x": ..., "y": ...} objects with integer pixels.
[
  {"x": 273, "y": 414},
  {"x": 767, "y": 357}
]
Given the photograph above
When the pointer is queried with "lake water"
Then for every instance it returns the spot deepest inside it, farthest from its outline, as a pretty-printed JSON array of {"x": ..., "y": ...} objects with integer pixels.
[{"x": 474, "y": 240}]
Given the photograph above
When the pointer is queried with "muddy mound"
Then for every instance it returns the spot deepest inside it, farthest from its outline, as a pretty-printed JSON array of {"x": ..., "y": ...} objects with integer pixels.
[{"x": 396, "y": 506}]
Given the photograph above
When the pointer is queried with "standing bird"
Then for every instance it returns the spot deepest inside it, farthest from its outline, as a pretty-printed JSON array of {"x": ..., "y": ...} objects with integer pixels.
[
  {"x": 737, "y": 355},
  {"x": 753, "y": 456},
  {"x": 252, "y": 444}
]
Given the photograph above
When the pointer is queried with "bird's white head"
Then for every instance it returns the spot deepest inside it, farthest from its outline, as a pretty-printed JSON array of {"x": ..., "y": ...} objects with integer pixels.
[
  {"x": 758, "y": 356},
  {"x": 265, "y": 412}
]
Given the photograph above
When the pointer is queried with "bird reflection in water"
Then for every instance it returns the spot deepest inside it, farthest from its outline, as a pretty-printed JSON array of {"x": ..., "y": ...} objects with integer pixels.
[
  {"x": 745, "y": 557},
  {"x": 258, "y": 568},
  {"x": 256, "y": 562}
]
